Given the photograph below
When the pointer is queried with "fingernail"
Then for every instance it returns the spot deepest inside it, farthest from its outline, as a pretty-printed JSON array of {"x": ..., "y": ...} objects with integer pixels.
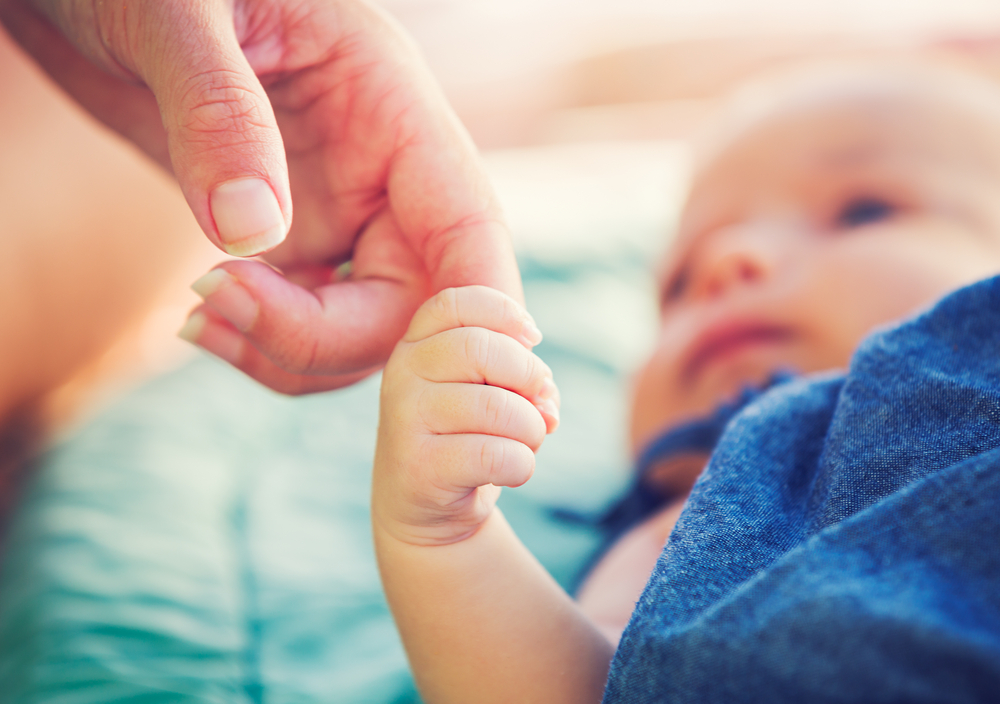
[
  {"x": 548, "y": 390},
  {"x": 192, "y": 327},
  {"x": 248, "y": 217},
  {"x": 531, "y": 333},
  {"x": 550, "y": 408},
  {"x": 221, "y": 341},
  {"x": 212, "y": 282},
  {"x": 223, "y": 292}
]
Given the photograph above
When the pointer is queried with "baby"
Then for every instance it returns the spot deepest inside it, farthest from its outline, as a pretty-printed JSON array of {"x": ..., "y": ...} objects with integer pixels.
[{"x": 815, "y": 557}]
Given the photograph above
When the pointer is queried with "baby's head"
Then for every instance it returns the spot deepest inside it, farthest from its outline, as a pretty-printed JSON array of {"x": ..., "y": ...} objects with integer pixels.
[{"x": 829, "y": 203}]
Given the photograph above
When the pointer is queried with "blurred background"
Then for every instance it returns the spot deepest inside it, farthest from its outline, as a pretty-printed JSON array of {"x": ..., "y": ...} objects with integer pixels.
[{"x": 543, "y": 71}]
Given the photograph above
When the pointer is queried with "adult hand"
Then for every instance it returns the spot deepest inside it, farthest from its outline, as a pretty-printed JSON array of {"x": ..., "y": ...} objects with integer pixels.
[{"x": 251, "y": 101}]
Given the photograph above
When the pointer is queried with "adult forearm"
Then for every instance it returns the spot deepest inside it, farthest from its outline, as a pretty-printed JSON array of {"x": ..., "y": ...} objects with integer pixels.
[{"x": 483, "y": 621}]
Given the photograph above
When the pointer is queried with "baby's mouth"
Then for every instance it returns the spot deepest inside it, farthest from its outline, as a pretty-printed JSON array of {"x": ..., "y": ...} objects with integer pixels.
[{"x": 728, "y": 339}]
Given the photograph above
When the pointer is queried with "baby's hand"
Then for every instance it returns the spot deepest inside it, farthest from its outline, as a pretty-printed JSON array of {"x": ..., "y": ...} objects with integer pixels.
[{"x": 465, "y": 404}]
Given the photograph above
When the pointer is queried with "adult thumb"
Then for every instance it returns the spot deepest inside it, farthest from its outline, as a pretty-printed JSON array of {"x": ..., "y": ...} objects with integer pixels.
[{"x": 224, "y": 142}]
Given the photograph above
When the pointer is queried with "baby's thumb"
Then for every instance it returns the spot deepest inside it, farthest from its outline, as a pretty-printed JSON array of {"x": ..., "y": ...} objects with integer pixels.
[{"x": 224, "y": 142}]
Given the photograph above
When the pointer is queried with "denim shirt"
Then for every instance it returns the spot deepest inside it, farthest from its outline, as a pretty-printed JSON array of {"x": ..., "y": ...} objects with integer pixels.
[{"x": 843, "y": 544}]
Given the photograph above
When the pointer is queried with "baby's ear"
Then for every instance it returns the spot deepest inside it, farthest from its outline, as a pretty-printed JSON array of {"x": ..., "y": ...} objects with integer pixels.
[{"x": 474, "y": 306}]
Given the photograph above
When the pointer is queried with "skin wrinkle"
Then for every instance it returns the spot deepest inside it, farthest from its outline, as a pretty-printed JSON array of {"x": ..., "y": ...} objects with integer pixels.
[
  {"x": 474, "y": 343},
  {"x": 290, "y": 360},
  {"x": 295, "y": 28},
  {"x": 310, "y": 363},
  {"x": 421, "y": 405},
  {"x": 440, "y": 241},
  {"x": 447, "y": 304},
  {"x": 177, "y": 39},
  {"x": 292, "y": 108},
  {"x": 495, "y": 411},
  {"x": 104, "y": 54},
  {"x": 507, "y": 313},
  {"x": 298, "y": 21},
  {"x": 493, "y": 449},
  {"x": 253, "y": 23},
  {"x": 275, "y": 82},
  {"x": 347, "y": 79},
  {"x": 244, "y": 147},
  {"x": 530, "y": 369},
  {"x": 405, "y": 138},
  {"x": 199, "y": 96},
  {"x": 491, "y": 350}
]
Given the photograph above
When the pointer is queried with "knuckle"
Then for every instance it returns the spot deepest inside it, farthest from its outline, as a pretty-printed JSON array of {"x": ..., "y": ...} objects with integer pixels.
[
  {"x": 219, "y": 103},
  {"x": 530, "y": 370},
  {"x": 478, "y": 347},
  {"x": 494, "y": 350},
  {"x": 298, "y": 354},
  {"x": 444, "y": 306},
  {"x": 493, "y": 457},
  {"x": 113, "y": 33},
  {"x": 498, "y": 411},
  {"x": 509, "y": 310}
]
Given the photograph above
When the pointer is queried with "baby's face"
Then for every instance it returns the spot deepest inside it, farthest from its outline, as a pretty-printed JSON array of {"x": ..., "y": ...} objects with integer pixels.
[{"x": 808, "y": 230}]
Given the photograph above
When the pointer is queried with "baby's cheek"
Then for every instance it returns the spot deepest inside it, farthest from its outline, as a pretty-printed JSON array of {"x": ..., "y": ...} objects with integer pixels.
[{"x": 654, "y": 397}]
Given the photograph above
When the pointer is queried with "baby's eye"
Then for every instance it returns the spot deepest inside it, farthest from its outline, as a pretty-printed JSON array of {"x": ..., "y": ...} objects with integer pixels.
[
  {"x": 864, "y": 211},
  {"x": 675, "y": 287}
]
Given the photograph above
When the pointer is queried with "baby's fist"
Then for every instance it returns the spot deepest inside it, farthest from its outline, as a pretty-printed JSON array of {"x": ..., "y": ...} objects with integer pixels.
[{"x": 465, "y": 404}]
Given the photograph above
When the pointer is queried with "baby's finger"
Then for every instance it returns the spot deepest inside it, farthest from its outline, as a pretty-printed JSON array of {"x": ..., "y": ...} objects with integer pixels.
[
  {"x": 470, "y": 461},
  {"x": 473, "y": 306},
  {"x": 480, "y": 356},
  {"x": 549, "y": 408},
  {"x": 466, "y": 408}
]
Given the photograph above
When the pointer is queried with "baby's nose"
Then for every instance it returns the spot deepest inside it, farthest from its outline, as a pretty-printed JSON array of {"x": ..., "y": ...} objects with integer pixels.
[{"x": 738, "y": 256}]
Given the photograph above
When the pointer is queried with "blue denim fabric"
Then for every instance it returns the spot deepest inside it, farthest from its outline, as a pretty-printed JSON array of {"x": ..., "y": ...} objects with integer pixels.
[
  {"x": 644, "y": 497},
  {"x": 842, "y": 544}
]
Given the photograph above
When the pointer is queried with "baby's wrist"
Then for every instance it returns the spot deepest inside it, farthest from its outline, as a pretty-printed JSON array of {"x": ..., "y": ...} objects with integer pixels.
[
  {"x": 392, "y": 532},
  {"x": 427, "y": 529}
]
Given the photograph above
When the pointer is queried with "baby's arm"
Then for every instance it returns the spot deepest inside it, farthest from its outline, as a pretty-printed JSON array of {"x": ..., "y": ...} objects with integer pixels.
[{"x": 481, "y": 619}]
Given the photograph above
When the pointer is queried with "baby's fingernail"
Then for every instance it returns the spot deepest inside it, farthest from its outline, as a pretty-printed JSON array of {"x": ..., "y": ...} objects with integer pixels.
[
  {"x": 549, "y": 408},
  {"x": 531, "y": 333},
  {"x": 548, "y": 390},
  {"x": 192, "y": 327},
  {"x": 248, "y": 217},
  {"x": 228, "y": 298}
]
